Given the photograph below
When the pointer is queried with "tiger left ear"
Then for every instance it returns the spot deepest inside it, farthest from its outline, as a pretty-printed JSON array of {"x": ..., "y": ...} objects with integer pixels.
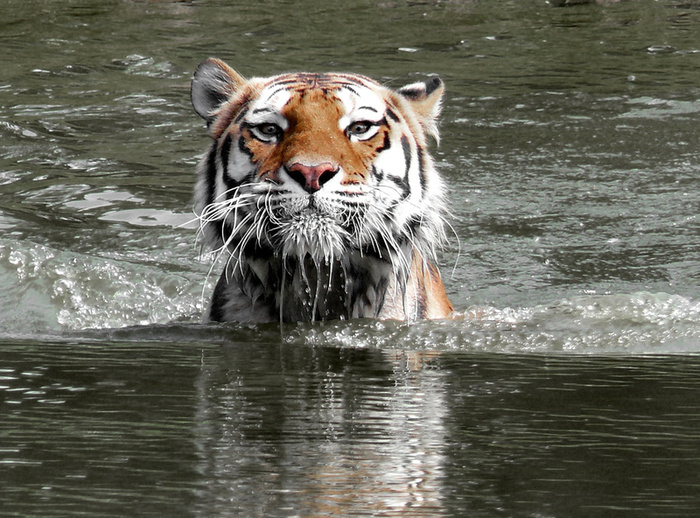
[
  {"x": 213, "y": 84},
  {"x": 426, "y": 100}
]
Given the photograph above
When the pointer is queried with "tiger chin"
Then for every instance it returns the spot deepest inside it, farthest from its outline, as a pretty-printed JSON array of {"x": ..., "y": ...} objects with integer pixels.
[{"x": 320, "y": 193}]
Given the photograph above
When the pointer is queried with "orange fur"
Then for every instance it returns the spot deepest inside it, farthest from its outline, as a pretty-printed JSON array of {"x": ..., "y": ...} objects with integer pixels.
[{"x": 393, "y": 204}]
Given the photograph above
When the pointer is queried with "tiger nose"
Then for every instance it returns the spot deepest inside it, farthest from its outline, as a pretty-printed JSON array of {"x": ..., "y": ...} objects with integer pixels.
[{"x": 312, "y": 177}]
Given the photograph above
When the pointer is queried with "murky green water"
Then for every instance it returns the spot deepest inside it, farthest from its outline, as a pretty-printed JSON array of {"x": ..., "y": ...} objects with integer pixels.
[{"x": 569, "y": 136}]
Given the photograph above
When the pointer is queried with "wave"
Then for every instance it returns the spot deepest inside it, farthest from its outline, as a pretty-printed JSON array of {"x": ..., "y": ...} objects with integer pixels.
[{"x": 49, "y": 291}]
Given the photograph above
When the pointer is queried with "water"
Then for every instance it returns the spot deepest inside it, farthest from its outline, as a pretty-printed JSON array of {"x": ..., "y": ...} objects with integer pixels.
[
  {"x": 568, "y": 385},
  {"x": 256, "y": 429}
]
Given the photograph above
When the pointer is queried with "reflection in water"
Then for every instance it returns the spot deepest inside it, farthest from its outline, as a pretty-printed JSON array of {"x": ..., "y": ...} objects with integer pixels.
[
  {"x": 354, "y": 433},
  {"x": 272, "y": 429}
]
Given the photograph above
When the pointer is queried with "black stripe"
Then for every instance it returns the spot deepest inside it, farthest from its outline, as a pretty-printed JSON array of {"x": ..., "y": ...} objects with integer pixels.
[
  {"x": 386, "y": 144},
  {"x": 211, "y": 173},
  {"x": 402, "y": 184},
  {"x": 336, "y": 80},
  {"x": 414, "y": 93},
  {"x": 240, "y": 115},
  {"x": 243, "y": 149},
  {"x": 421, "y": 169},
  {"x": 421, "y": 310},
  {"x": 392, "y": 115},
  {"x": 432, "y": 84},
  {"x": 262, "y": 110},
  {"x": 412, "y": 226},
  {"x": 218, "y": 299},
  {"x": 278, "y": 90},
  {"x": 356, "y": 80},
  {"x": 284, "y": 80},
  {"x": 380, "y": 289},
  {"x": 352, "y": 90},
  {"x": 224, "y": 152},
  {"x": 407, "y": 153}
]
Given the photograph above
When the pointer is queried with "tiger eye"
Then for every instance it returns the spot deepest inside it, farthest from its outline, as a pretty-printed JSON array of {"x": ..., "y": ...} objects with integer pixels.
[
  {"x": 271, "y": 130},
  {"x": 359, "y": 127}
]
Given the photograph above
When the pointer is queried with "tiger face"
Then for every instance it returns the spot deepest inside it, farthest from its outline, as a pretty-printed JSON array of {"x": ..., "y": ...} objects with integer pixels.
[{"x": 320, "y": 191}]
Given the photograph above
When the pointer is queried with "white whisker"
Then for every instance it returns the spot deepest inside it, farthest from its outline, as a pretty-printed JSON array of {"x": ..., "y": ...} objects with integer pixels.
[{"x": 358, "y": 245}]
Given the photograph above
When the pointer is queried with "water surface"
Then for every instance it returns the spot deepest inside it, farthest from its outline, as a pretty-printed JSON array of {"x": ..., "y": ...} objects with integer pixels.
[{"x": 567, "y": 386}]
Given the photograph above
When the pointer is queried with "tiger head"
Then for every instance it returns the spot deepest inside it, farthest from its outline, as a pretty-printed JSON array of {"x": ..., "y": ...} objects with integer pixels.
[{"x": 320, "y": 190}]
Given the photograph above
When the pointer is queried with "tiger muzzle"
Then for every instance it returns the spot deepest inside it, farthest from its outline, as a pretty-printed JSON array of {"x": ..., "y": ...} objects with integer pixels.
[{"x": 312, "y": 177}]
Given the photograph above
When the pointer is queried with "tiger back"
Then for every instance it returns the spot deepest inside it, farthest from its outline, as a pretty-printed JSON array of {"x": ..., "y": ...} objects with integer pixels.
[{"x": 320, "y": 193}]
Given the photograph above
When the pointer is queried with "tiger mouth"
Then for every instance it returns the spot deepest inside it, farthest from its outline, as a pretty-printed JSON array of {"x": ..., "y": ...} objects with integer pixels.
[
  {"x": 313, "y": 212},
  {"x": 312, "y": 219},
  {"x": 312, "y": 232},
  {"x": 324, "y": 229}
]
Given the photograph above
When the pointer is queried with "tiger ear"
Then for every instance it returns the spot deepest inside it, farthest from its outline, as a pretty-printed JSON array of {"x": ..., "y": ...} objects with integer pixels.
[
  {"x": 426, "y": 100},
  {"x": 213, "y": 83}
]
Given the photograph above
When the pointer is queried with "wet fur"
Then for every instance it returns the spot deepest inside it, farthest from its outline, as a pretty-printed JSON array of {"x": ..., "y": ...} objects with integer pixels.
[{"x": 358, "y": 240}]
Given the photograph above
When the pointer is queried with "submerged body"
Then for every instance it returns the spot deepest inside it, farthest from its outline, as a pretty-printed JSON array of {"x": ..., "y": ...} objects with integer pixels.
[{"x": 320, "y": 191}]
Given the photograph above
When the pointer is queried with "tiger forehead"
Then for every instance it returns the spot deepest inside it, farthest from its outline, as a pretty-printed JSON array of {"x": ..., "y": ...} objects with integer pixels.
[
  {"x": 324, "y": 81},
  {"x": 352, "y": 91}
]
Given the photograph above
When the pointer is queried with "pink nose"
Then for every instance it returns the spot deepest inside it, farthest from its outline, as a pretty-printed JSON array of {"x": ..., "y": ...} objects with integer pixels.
[{"x": 312, "y": 177}]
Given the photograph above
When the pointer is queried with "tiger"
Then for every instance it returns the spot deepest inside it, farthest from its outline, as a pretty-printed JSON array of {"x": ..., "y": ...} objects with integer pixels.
[{"x": 320, "y": 192}]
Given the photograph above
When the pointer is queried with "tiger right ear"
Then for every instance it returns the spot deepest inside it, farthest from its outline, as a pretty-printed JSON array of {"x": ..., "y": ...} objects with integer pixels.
[
  {"x": 425, "y": 98},
  {"x": 213, "y": 83}
]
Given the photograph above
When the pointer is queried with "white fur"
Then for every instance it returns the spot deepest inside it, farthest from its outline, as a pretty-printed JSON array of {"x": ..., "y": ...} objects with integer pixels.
[{"x": 314, "y": 255}]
